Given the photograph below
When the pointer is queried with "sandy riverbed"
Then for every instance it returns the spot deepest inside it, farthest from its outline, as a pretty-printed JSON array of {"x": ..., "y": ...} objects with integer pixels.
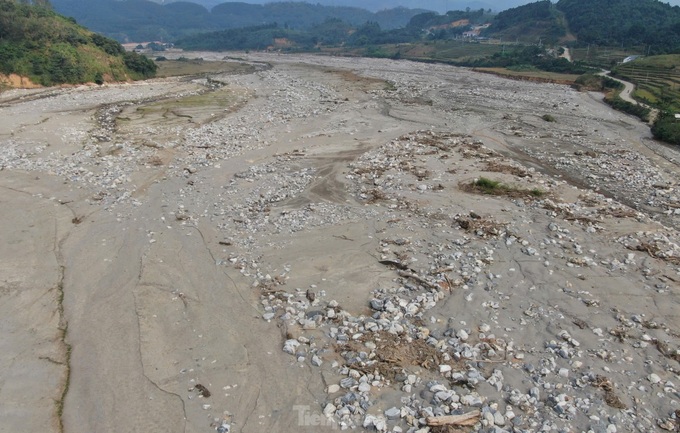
[{"x": 299, "y": 249}]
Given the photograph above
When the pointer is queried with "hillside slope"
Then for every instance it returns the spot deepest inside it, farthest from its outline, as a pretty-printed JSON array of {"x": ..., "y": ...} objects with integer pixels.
[
  {"x": 624, "y": 22},
  {"x": 48, "y": 48},
  {"x": 530, "y": 23}
]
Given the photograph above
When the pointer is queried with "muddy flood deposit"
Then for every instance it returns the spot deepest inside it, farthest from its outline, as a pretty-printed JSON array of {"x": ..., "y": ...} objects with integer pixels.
[{"x": 309, "y": 244}]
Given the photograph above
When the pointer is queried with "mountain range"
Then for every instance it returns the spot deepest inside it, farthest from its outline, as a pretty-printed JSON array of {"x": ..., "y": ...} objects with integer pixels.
[
  {"x": 601, "y": 22},
  {"x": 143, "y": 20},
  {"x": 440, "y": 6}
]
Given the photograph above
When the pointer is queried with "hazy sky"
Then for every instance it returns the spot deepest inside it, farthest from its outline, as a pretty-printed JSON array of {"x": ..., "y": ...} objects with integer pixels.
[
  {"x": 494, "y": 4},
  {"x": 438, "y": 5}
]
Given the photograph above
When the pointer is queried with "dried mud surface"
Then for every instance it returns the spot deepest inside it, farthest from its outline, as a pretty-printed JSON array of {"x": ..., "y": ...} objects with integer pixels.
[{"x": 308, "y": 247}]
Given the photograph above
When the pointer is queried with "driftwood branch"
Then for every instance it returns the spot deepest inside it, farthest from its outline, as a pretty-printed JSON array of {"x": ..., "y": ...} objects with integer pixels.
[
  {"x": 469, "y": 418},
  {"x": 421, "y": 280},
  {"x": 394, "y": 263}
]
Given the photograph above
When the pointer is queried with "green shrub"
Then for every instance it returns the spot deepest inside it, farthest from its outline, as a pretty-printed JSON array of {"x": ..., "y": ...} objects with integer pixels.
[
  {"x": 667, "y": 128},
  {"x": 537, "y": 192},
  {"x": 627, "y": 107},
  {"x": 140, "y": 64},
  {"x": 487, "y": 185},
  {"x": 108, "y": 45}
]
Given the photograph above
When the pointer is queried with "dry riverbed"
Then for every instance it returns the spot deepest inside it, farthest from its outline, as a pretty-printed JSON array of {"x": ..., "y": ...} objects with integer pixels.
[{"x": 302, "y": 244}]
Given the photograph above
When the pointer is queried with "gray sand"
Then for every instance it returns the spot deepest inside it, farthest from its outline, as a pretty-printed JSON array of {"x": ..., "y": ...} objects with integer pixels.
[{"x": 146, "y": 240}]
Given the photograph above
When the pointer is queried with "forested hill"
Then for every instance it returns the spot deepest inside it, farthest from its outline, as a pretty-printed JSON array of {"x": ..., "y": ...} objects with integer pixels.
[
  {"x": 600, "y": 22},
  {"x": 627, "y": 22},
  {"x": 531, "y": 22},
  {"x": 144, "y": 20},
  {"x": 48, "y": 48},
  {"x": 335, "y": 33}
]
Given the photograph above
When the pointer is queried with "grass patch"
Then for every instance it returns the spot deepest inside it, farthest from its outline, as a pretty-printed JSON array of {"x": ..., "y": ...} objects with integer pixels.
[
  {"x": 439, "y": 51},
  {"x": 173, "y": 68},
  {"x": 531, "y": 75},
  {"x": 63, "y": 328},
  {"x": 488, "y": 186},
  {"x": 523, "y": 68},
  {"x": 617, "y": 103},
  {"x": 390, "y": 86},
  {"x": 645, "y": 96}
]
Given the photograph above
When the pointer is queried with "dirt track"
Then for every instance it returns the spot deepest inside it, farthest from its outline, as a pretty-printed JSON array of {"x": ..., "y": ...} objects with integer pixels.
[{"x": 149, "y": 228}]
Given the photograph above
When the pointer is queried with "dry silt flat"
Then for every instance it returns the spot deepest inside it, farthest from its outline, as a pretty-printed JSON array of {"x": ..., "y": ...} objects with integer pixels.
[{"x": 307, "y": 247}]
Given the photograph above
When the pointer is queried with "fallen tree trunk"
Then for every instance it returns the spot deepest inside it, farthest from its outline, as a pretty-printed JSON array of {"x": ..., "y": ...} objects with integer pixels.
[{"x": 469, "y": 418}]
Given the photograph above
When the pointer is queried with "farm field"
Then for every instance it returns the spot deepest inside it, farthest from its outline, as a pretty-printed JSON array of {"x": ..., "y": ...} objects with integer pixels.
[
  {"x": 604, "y": 57},
  {"x": 532, "y": 75},
  {"x": 456, "y": 50},
  {"x": 657, "y": 79},
  {"x": 171, "y": 68},
  {"x": 439, "y": 51}
]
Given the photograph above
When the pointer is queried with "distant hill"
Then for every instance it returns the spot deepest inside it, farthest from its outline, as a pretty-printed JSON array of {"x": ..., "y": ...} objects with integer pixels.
[
  {"x": 539, "y": 21},
  {"x": 144, "y": 20},
  {"x": 599, "y": 22},
  {"x": 334, "y": 33},
  {"x": 441, "y": 6},
  {"x": 48, "y": 48},
  {"x": 302, "y": 25},
  {"x": 624, "y": 22}
]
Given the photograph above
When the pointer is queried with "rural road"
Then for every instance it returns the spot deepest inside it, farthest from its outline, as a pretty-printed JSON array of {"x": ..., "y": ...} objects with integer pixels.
[
  {"x": 627, "y": 92},
  {"x": 628, "y": 88}
]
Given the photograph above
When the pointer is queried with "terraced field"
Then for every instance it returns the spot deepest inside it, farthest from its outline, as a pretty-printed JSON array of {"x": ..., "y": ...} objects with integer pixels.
[
  {"x": 465, "y": 51},
  {"x": 604, "y": 57},
  {"x": 657, "y": 79}
]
